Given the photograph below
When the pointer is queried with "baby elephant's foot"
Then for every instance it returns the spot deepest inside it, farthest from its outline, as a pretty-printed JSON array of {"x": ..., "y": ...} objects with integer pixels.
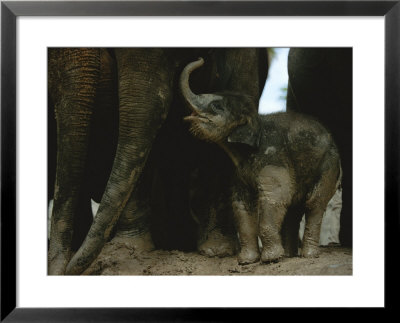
[
  {"x": 310, "y": 251},
  {"x": 272, "y": 254},
  {"x": 218, "y": 245},
  {"x": 248, "y": 256}
]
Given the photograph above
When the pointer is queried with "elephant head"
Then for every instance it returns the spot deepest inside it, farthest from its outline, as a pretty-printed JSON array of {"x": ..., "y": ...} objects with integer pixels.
[{"x": 220, "y": 117}]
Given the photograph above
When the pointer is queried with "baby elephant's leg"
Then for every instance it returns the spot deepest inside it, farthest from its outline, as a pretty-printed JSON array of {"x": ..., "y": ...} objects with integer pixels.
[
  {"x": 247, "y": 226},
  {"x": 271, "y": 218},
  {"x": 274, "y": 197},
  {"x": 316, "y": 204},
  {"x": 310, "y": 246}
]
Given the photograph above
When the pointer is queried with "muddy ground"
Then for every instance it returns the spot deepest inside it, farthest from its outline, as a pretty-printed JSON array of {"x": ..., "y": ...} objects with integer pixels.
[{"x": 118, "y": 258}]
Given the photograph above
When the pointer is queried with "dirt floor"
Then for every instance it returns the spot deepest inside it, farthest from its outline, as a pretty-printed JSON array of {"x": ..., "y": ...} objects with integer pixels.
[{"x": 117, "y": 258}]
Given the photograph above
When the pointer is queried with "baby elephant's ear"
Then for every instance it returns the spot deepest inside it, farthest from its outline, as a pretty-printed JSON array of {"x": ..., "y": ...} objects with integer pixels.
[{"x": 246, "y": 134}]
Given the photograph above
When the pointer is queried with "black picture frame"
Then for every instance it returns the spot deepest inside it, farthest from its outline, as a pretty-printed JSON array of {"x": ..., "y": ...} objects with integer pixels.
[{"x": 10, "y": 10}]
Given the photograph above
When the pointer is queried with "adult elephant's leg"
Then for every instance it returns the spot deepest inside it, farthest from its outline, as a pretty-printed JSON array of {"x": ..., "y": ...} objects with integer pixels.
[
  {"x": 241, "y": 70},
  {"x": 104, "y": 133},
  {"x": 213, "y": 206},
  {"x": 101, "y": 149},
  {"x": 134, "y": 225},
  {"x": 73, "y": 77},
  {"x": 145, "y": 82},
  {"x": 220, "y": 236}
]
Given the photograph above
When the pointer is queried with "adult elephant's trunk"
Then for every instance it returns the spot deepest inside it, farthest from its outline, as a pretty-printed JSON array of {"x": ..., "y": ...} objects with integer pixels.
[
  {"x": 195, "y": 102},
  {"x": 145, "y": 83}
]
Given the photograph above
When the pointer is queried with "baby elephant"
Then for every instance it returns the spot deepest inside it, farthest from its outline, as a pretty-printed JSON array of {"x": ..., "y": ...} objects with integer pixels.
[{"x": 287, "y": 165}]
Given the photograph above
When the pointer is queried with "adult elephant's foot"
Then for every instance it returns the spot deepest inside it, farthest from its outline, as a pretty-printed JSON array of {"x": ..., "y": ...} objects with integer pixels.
[
  {"x": 57, "y": 264},
  {"x": 272, "y": 253},
  {"x": 59, "y": 253},
  {"x": 142, "y": 242},
  {"x": 218, "y": 245},
  {"x": 248, "y": 256},
  {"x": 310, "y": 251},
  {"x": 133, "y": 228}
]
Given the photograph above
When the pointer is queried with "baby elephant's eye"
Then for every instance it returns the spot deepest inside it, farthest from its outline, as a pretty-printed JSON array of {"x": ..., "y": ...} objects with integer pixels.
[{"x": 217, "y": 107}]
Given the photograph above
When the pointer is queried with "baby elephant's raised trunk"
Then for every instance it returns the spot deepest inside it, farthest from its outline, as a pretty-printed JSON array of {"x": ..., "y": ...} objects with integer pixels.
[{"x": 194, "y": 102}]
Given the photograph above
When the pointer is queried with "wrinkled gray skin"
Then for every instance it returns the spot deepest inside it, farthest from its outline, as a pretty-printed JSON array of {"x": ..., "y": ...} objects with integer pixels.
[
  {"x": 75, "y": 77},
  {"x": 147, "y": 85},
  {"x": 286, "y": 164}
]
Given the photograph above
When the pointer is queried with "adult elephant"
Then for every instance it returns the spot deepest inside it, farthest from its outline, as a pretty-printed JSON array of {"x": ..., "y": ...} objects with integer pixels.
[
  {"x": 147, "y": 88},
  {"x": 320, "y": 84}
]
